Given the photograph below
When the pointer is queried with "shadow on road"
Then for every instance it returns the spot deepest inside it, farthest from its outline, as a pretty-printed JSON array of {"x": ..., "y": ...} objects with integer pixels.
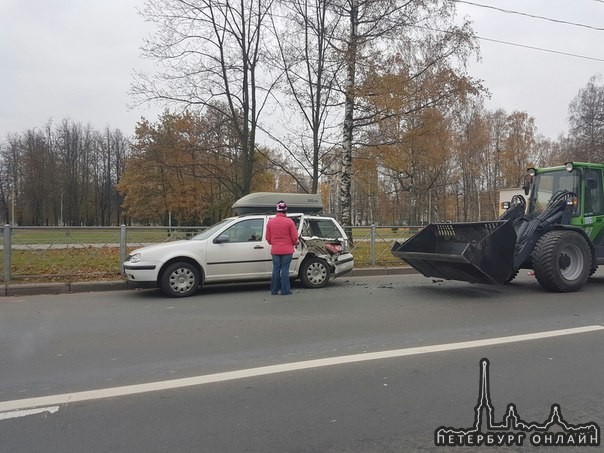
[{"x": 220, "y": 288}]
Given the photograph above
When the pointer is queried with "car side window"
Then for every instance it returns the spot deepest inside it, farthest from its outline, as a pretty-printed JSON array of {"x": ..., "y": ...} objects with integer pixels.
[
  {"x": 322, "y": 228},
  {"x": 249, "y": 230}
]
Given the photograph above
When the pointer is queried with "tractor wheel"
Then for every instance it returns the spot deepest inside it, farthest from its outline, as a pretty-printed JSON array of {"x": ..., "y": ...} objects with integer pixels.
[{"x": 561, "y": 261}]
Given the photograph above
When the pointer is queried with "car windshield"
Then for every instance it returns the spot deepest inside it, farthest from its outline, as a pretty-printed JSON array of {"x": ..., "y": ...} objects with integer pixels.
[
  {"x": 547, "y": 184},
  {"x": 210, "y": 231}
]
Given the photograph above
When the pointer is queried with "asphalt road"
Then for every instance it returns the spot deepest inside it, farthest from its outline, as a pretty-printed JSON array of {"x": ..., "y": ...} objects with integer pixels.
[{"x": 369, "y": 364}]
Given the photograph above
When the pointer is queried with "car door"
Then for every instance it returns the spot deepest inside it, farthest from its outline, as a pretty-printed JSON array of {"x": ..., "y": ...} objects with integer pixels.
[{"x": 239, "y": 252}]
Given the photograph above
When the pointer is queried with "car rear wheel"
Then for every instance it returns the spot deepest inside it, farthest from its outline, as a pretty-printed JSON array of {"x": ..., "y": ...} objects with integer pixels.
[
  {"x": 180, "y": 279},
  {"x": 315, "y": 273}
]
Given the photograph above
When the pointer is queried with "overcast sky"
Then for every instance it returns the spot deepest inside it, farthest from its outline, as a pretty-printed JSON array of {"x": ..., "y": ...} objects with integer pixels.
[
  {"x": 538, "y": 82},
  {"x": 76, "y": 58}
]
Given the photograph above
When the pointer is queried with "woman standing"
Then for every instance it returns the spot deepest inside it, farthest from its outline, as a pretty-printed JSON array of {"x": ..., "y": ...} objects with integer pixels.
[{"x": 282, "y": 235}]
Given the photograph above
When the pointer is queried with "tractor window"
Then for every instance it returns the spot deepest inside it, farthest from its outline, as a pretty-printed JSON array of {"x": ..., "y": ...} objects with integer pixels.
[
  {"x": 547, "y": 184},
  {"x": 594, "y": 203}
]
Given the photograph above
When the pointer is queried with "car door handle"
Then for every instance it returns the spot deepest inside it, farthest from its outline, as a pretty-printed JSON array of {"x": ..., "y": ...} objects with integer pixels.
[{"x": 257, "y": 247}]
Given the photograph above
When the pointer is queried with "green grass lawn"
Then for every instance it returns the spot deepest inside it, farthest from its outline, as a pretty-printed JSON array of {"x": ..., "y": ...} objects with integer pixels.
[{"x": 65, "y": 265}]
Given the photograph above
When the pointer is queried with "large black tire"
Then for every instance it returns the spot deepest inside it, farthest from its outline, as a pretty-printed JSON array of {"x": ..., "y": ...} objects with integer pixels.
[
  {"x": 180, "y": 279},
  {"x": 315, "y": 272},
  {"x": 561, "y": 261}
]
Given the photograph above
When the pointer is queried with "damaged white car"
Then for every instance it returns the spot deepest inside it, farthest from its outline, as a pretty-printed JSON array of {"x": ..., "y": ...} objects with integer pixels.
[{"x": 236, "y": 250}]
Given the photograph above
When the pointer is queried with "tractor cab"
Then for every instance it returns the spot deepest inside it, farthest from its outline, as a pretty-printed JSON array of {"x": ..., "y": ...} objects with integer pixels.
[
  {"x": 583, "y": 180},
  {"x": 541, "y": 186}
]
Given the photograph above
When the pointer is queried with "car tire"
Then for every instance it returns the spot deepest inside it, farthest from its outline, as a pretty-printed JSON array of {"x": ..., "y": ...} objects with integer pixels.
[
  {"x": 180, "y": 279},
  {"x": 315, "y": 273}
]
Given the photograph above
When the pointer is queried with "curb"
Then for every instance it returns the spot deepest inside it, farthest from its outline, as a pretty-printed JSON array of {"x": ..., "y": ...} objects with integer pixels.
[{"x": 32, "y": 289}]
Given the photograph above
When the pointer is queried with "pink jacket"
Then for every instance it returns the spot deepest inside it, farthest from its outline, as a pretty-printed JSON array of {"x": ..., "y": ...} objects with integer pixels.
[{"x": 281, "y": 234}]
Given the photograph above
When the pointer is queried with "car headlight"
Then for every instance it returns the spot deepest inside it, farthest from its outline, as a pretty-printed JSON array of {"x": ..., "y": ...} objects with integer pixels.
[{"x": 134, "y": 258}]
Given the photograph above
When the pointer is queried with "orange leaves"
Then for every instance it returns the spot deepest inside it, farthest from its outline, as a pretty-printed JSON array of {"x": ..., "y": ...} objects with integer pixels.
[
  {"x": 175, "y": 170},
  {"x": 187, "y": 167}
]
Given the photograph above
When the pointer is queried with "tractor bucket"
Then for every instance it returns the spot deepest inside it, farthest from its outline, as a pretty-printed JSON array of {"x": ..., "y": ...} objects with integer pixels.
[{"x": 476, "y": 252}]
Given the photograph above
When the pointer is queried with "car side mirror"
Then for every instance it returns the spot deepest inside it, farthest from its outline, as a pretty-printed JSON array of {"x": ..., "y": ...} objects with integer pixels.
[{"x": 222, "y": 239}]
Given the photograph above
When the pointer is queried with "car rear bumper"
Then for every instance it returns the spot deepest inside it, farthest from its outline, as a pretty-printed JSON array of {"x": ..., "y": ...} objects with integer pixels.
[{"x": 343, "y": 265}]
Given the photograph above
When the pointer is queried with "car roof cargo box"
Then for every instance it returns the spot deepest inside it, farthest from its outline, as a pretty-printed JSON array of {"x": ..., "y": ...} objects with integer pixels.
[{"x": 266, "y": 202}]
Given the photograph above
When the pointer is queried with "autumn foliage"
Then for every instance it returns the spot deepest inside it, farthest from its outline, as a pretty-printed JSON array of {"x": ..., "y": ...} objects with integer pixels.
[{"x": 185, "y": 170}]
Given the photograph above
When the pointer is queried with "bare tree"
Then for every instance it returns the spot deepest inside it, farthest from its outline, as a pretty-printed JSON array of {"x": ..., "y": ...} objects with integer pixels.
[
  {"x": 73, "y": 144},
  {"x": 211, "y": 50},
  {"x": 37, "y": 163},
  {"x": 518, "y": 147},
  {"x": 12, "y": 176},
  {"x": 304, "y": 34},
  {"x": 586, "y": 120},
  {"x": 61, "y": 175},
  {"x": 109, "y": 150}
]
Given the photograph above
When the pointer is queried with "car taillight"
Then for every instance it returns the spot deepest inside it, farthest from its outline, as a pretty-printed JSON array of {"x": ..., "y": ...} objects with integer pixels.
[
  {"x": 345, "y": 247},
  {"x": 333, "y": 248}
]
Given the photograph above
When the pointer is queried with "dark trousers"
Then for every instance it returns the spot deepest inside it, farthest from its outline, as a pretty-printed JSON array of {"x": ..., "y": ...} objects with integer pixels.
[{"x": 280, "y": 277}]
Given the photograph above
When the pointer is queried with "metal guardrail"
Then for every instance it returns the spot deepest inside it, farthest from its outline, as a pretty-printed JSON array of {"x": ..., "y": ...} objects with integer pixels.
[{"x": 75, "y": 254}]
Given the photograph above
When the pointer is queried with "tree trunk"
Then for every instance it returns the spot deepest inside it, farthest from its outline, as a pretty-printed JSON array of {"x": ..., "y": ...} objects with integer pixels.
[{"x": 347, "y": 144}]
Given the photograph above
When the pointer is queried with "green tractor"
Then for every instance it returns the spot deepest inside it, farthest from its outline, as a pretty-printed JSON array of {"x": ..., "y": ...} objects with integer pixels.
[{"x": 558, "y": 233}]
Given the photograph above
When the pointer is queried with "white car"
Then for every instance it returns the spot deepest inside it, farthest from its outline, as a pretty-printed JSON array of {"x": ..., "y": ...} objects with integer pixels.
[{"x": 234, "y": 250}]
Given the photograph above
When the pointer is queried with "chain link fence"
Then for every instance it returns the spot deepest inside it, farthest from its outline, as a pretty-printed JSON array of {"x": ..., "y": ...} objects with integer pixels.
[
  {"x": 77, "y": 254},
  {"x": 371, "y": 245}
]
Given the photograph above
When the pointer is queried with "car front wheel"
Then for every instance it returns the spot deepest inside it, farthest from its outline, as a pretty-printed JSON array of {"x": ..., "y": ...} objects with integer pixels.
[
  {"x": 315, "y": 273},
  {"x": 180, "y": 280}
]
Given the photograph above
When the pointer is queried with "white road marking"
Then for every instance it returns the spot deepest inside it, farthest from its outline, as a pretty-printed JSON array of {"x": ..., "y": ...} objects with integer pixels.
[
  {"x": 112, "y": 392},
  {"x": 25, "y": 413}
]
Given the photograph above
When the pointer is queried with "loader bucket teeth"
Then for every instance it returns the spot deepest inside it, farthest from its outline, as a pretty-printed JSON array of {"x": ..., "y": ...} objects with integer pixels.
[{"x": 476, "y": 252}]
